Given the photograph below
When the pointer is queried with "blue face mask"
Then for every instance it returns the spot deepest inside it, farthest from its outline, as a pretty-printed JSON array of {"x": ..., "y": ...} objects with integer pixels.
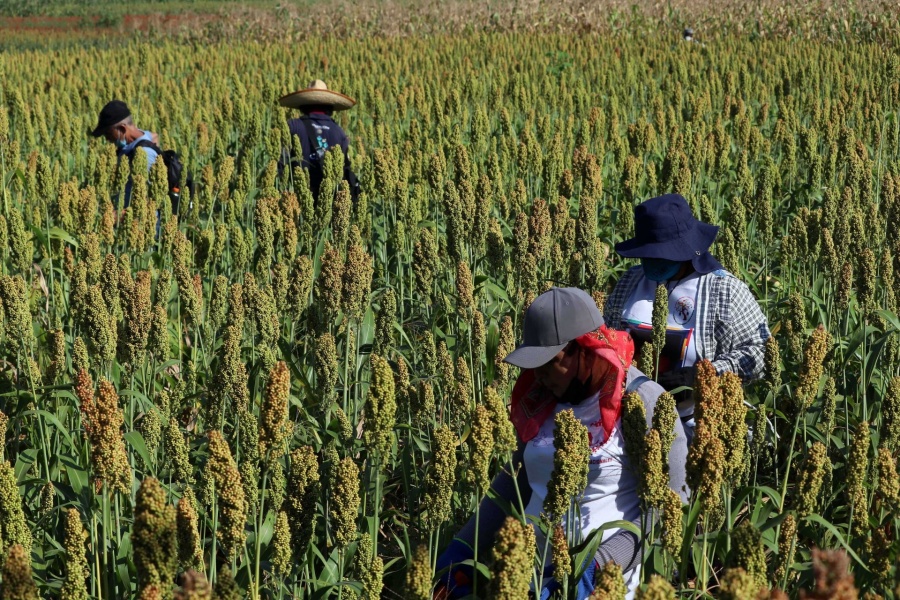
[
  {"x": 660, "y": 269},
  {"x": 120, "y": 144}
]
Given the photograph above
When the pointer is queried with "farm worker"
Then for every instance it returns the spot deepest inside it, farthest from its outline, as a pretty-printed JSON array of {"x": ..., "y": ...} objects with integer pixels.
[
  {"x": 318, "y": 131},
  {"x": 116, "y": 125},
  {"x": 570, "y": 360},
  {"x": 712, "y": 313}
]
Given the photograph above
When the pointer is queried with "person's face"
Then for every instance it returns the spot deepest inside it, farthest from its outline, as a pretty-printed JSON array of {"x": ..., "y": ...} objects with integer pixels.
[
  {"x": 557, "y": 374},
  {"x": 115, "y": 134}
]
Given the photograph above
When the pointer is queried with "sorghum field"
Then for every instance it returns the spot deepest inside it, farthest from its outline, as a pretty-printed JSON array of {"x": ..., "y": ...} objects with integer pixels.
[{"x": 263, "y": 397}]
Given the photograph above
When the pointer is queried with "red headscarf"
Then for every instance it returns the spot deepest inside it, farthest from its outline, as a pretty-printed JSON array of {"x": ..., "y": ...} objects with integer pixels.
[{"x": 531, "y": 403}]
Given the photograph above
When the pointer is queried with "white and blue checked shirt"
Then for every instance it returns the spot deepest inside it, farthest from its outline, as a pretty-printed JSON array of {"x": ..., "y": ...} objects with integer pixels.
[{"x": 731, "y": 329}]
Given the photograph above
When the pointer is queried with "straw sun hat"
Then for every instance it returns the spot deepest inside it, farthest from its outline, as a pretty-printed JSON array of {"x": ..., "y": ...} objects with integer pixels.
[{"x": 317, "y": 94}]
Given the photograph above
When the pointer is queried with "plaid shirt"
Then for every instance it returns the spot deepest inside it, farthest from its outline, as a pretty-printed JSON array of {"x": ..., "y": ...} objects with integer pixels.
[{"x": 731, "y": 329}]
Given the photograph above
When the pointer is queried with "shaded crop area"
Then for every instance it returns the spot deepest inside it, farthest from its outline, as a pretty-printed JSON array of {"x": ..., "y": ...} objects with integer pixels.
[{"x": 263, "y": 396}]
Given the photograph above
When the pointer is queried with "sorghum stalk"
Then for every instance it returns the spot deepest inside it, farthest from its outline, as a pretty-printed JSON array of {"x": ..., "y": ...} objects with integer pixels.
[
  {"x": 274, "y": 425},
  {"x": 562, "y": 562},
  {"x": 303, "y": 492},
  {"x": 380, "y": 411},
  {"x": 154, "y": 538},
  {"x": 481, "y": 448},
  {"x": 177, "y": 455},
  {"x": 890, "y": 416},
  {"x": 357, "y": 278},
  {"x": 103, "y": 422},
  {"x": 773, "y": 365},
  {"x": 659, "y": 320},
  {"x": 811, "y": 370},
  {"x": 570, "y": 465},
  {"x": 747, "y": 552},
  {"x": 663, "y": 421},
  {"x": 418, "y": 575},
  {"x": 14, "y": 528},
  {"x": 514, "y": 549},
  {"x": 344, "y": 487},
  {"x": 734, "y": 432},
  {"x": 17, "y": 580},
  {"x": 439, "y": 479},
  {"x": 282, "y": 558},
  {"x": 888, "y": 482},
  {"x": 370, "y": 567},
  {"x": 738, "y": 584},
  {"x": 610, "y": 585},
  {"x": 384, "y": 323},
  {"x": 74, "y": 586},
  {"x": 657, "y": 589},
  {"x": 787, "y": 539},
  {"x": 809, "y": 483},
  {"x": 190, "y": 550},
  {"x": 505, "y": 345},
  {"x": 232, "y": 508},
  {"x": 858, "y": 465},
  {"x": 504, "y": 433}
]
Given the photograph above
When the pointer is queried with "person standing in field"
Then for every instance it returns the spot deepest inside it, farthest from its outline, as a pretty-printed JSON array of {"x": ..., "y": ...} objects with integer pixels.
[
  {"x": 318, "y": 132},
  {"x": 116, "y": 125},
  {"x": 712, "y": 314},
  {"x": 570, "y": 360}
]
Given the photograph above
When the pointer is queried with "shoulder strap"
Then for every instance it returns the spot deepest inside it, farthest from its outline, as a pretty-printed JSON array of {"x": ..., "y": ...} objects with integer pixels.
[
  {"x": 636, "y": 383},
  {"x": 311, "y": 133},
  {"x": 149, "y": 144}
]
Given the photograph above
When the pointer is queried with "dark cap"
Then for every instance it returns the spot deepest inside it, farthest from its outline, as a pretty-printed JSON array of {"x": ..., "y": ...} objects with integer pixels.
[
  {"x": 114, "y": 112},
  {"x": 554, "y": 319}
]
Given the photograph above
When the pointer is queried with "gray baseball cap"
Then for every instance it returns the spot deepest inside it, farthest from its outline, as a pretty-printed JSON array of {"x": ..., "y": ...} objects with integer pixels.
[{"x": 554, "y": 319}]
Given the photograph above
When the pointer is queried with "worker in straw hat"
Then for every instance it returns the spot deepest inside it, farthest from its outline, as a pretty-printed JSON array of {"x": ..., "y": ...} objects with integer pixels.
[{"x": 318, "y": 132}]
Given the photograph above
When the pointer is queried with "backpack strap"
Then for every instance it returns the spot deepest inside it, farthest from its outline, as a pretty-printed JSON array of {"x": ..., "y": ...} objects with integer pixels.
[
  {"x": 312, "y": 135},
  {"x": 147, "y": 144},
  {"x": 636, "y": 383}
]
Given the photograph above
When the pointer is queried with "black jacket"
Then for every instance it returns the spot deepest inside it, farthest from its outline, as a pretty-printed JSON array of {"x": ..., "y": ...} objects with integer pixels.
[{"x": 328, "y": 135}]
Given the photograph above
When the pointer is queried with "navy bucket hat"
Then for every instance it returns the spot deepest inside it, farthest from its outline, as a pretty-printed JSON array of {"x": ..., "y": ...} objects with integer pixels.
[{"x": 665, "y": 227}]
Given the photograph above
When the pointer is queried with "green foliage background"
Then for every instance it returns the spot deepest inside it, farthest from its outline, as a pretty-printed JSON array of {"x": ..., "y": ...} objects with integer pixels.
[{"x": 521, "y": 156}]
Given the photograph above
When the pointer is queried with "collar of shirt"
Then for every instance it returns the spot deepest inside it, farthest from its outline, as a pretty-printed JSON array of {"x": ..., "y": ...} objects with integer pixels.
[{"x": 129, "y": 148}]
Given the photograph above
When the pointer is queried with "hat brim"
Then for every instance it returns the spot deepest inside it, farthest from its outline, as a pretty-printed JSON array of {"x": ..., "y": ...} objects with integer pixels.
[
  {"x": 532, "y": 357},
  {"x": 312, "y": 97},
  {"x": 681, "y": 249},
  {"x": 98, "y": 130}
]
